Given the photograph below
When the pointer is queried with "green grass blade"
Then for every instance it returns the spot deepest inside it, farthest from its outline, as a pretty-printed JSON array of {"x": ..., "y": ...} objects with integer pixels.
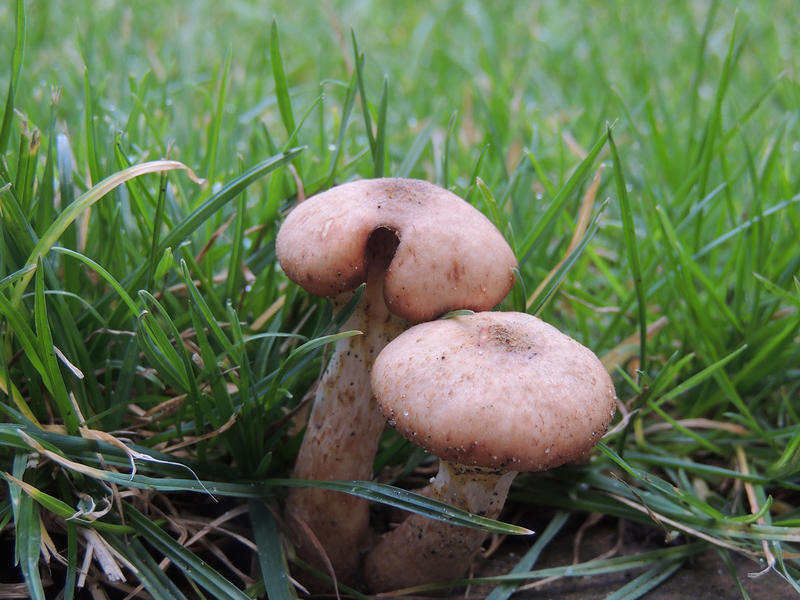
[
  {"x": 358, "y": 59},
  {"x": 281, "y": 84},
  {"x": 560, "y": 199},
  {"x": 72, "y": 561},
  {"x": 380, "y": 134},
  {"x": 82, "y": 204},
  {"x": 32, "y": 348},
  {"x": 346, "y": 111},
  {"x": 16, "y": 67},
  {"x": 451, "y": 124},
  {"x": 409, "y": 501},
  {"x": 216, "y": 123},
  {"x": 189, "y": 563},
  {"x": 650, "y": 579},
  {"x": 28, "y": 531},
  {"x": 632, "y": 249},
  {"x": 415, "y": 151},
  {"x": 47, "y": 353},
  {"x": 270, "y": 553},
  {"x": 505, "y": 590},
  {"x": 537, "y": 303},
  {"x": 89, "y": 129},
  {"x": 181, "y": 231},
  {"x": 115, "y": 285},
  {"x": 155, "y": 580}
]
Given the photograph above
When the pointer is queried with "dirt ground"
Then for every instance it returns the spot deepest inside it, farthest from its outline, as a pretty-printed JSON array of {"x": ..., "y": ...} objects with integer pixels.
[{"x": 704, "y": 577}]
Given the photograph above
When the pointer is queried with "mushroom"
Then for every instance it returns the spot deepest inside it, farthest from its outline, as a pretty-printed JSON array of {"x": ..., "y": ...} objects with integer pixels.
[
  {"x": 422, "y": 252},
  {"x": 491, "y": 394}
]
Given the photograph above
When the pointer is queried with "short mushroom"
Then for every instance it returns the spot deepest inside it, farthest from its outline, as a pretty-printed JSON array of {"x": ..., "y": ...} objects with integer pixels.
[
  {"x": 491, "y": 394},
  {"x": 422, "y": 252}
]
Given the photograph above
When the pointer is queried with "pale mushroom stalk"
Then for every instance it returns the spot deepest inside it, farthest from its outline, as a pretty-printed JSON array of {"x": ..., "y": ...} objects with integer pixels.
[
  {"x": 344, "y": 428},
  {"x": 421, "y": 550}
]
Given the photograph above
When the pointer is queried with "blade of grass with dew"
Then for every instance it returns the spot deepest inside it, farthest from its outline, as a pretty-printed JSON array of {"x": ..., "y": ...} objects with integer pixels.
[
  {"x": 409, "y": 501},
  {"x": 632, "y": 248},
  {"x": 560, "y": 199},
  {"x": 377, "y": 492}
]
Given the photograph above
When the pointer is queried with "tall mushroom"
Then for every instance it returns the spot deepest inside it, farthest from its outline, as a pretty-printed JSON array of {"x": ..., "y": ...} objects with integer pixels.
[
  {"x": 491, "y": 394},
  {"x": 422, "y": 252}
]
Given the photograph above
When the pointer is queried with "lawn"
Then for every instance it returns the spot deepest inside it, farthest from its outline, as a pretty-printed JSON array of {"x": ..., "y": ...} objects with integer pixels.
[{"x": 641, "y": 161}]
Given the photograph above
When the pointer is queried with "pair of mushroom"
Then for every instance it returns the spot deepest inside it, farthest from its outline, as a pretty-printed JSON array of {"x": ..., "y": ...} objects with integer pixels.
[{"x": 423, "y": 252}]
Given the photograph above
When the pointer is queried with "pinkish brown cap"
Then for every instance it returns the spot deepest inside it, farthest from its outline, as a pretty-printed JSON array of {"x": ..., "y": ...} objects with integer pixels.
[
  {"x": 496, "y": 390},
  {"x": 449, "y": 255}
]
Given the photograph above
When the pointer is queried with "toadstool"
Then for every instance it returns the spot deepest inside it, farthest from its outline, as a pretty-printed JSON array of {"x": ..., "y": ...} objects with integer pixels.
[
  {"x": 491, "y": 394},
  {"x": 422, "y": 252}
]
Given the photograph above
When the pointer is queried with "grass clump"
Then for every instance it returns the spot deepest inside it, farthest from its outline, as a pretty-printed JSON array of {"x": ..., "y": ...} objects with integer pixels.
[{"x": 640, "y": 161}]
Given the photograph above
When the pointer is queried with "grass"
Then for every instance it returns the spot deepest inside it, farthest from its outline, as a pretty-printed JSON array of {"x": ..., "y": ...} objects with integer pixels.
[{"x": 151, "y": 349}]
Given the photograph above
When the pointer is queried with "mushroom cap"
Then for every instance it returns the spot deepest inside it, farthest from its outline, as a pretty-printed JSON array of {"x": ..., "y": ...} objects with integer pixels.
[
  {"x": 449, "y": 255},
  {"x": 496, "y": 390}
]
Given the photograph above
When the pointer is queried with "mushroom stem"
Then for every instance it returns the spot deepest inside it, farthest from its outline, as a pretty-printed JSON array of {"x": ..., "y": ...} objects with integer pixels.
[
  {"x": 421, "y": 550},
  {"x": 341, "y": 439}
]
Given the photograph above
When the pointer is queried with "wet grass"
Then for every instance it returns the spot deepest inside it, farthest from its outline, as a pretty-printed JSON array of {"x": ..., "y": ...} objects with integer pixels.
[{"x": 642, "y": 162}]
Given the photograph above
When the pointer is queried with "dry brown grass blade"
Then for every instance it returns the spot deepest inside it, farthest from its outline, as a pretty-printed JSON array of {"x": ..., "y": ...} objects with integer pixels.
[
  {"x": 698, "y": 424},
  {"x": 206, "y": 436},
  {"x": 582, "y": 224},
  {"x": 629, "y": 347},
  {"x": 264, "y": 317},
  {"x": 573, "y": 145},
  {"x": 309, "y": 535},
  {"x": 750, "y": 491},
  {"x": 664, "y": 520},
  {"x": 214, "y": 237},
  {"x": 105, "y": 556}
]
